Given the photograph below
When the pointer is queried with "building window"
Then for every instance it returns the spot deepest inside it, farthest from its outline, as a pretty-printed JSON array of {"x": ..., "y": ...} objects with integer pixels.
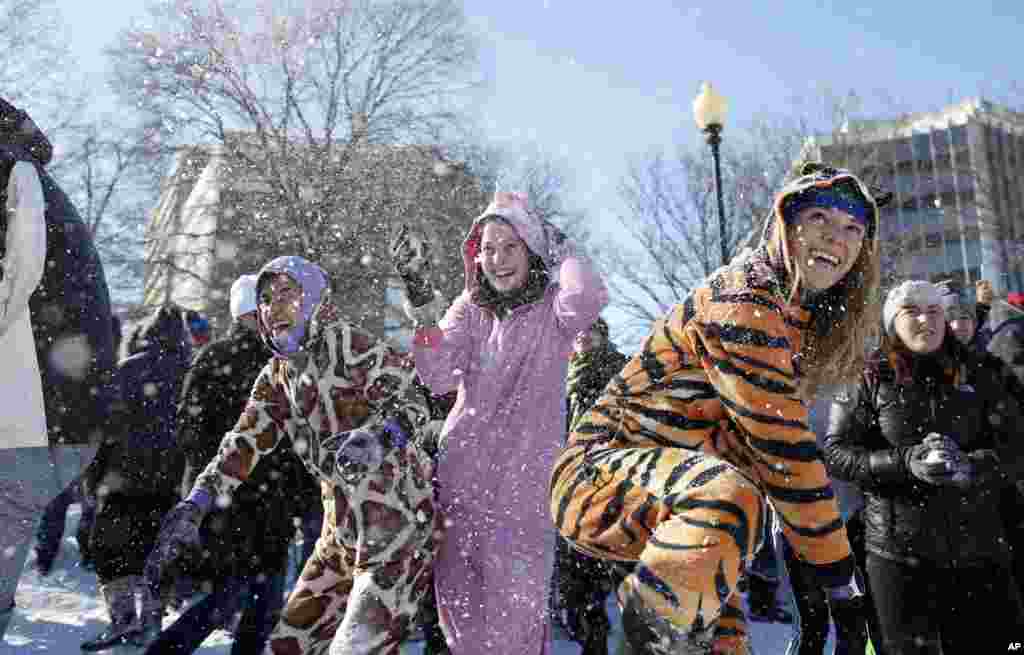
[
  {"x": 920, "y": 146},
  {"x": 958, "y": 133},
  {"x": 973, "y": 253}
]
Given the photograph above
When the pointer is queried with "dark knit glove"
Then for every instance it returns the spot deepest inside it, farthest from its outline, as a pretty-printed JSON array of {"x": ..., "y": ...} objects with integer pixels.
[
  {"x": 984, "y": 467},
  {"x": 179, "y": 534},
  {"x": 559, "y": 245},
  {"x": 936, "y": 461},
  {"x": 409, "y": 256}
]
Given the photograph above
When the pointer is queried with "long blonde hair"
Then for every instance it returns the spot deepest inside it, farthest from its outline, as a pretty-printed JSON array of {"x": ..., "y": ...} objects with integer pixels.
[{"x": 845, "y": 318}]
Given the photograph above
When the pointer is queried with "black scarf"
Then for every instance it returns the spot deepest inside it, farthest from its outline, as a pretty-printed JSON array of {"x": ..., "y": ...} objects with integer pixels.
[{"x": 502, "y": 304}]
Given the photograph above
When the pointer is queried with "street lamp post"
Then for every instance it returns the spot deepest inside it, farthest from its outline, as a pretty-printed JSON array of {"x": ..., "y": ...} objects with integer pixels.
[{"x": 709, "y": 111}]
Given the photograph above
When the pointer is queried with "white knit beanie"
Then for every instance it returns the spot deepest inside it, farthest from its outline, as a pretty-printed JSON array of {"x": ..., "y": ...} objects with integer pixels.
[
  {"x": 912, "y": 292},
  {"x": 243, "y": 296}
]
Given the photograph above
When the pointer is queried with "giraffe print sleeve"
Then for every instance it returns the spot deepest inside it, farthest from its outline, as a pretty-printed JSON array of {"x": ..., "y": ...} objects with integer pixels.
[
  {"x": 265, "y": 419},
  {"x": 379, "y": 375}
]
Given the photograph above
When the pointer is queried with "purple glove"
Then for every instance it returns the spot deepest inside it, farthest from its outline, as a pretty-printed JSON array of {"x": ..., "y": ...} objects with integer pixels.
[{"x": 178, "y": 534}]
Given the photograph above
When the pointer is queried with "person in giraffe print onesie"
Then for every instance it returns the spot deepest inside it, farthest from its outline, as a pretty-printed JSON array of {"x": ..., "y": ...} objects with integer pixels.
[
  {"x": 348, "y": 403},
  {"x": 672, "y": 467}
]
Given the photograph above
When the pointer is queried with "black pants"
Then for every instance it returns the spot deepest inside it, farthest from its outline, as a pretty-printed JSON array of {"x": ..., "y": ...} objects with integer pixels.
[
  {"x": 852, "y": 621},
  {"x": 1012, "y": 510},
  {"x": 968, "y": 610},
  {"x": 581, "y": 585},
  {"x": 125, "y": 531}
]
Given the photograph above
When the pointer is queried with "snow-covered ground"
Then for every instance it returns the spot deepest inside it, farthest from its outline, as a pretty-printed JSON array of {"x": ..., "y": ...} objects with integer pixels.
[{"x": 57, "y": 613}]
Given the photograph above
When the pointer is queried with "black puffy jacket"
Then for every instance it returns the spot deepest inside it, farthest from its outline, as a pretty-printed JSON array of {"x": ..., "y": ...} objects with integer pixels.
[
  {"x": 960, "y": 394},
  {"x": 70, "y": 309},
  {"x": 252, "y": 534}
]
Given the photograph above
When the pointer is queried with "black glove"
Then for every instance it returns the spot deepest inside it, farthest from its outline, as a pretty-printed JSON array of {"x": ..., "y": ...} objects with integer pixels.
[
  {"x": 985, "y": 469},
  {"x": 409, "y": 257},
  {"x": 851, "y": 622},
  {"x": 559, "y": 245},
  {"x": 937, "y": 461}
]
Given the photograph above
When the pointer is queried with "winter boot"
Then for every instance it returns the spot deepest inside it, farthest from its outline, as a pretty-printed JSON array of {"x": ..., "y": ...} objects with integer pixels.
[
  {"x": 5, "y": 618},
  {"x": 119, "y": 595},
  {"x": 650, "y": 634},
  {"x": 152, "y": 617},
  {"x": 589, "y": 626},
  {"x": 762, "y": 601},
  {"x": 49, "y": 535},
  {"x": 83, "y": 535}
]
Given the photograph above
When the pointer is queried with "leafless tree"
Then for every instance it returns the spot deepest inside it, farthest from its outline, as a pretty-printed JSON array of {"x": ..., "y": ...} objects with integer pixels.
[
  {"x": 102, "y": 165},
  {"x": 672, "y": 214},
  {"x": 327, "y": 116},
  {"x": 111, "y": 172},
  {"x": 37, "y": 71},
  {"x": 529, "y": 169}
]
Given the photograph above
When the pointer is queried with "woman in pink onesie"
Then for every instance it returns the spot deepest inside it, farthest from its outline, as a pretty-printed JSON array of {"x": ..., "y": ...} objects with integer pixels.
[{"x": 504, "y": 344}]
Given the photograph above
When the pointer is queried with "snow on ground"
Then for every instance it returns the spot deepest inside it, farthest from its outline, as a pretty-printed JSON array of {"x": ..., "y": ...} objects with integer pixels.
[{"x": 57, "y": 613}]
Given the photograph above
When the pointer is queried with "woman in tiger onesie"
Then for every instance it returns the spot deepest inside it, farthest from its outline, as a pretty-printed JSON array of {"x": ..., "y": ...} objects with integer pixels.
[{"x": 673, "y": 465}]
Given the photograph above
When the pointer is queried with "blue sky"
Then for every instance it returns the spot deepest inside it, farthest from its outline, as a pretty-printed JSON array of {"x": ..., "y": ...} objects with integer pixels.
[{"x": 599, "y": 82}]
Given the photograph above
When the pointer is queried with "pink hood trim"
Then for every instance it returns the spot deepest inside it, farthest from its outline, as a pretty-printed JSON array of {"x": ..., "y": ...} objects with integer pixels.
[{"x": 512, "y": 206}]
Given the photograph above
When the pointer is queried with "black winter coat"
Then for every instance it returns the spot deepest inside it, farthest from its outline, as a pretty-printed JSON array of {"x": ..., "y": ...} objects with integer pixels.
[
  {"x": 589, "y": 373},
  {"x": 964, "y": 396},
  {"x": 253, "y": 533},
  {"x": 142, "y": 458},
  {"x": 70, "y": 309},
  {"x": 1005, "y": 338}
]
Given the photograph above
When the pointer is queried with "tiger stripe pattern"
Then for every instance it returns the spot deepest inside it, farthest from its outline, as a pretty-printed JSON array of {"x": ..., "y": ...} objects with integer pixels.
[{"x": 672, "y": 466}]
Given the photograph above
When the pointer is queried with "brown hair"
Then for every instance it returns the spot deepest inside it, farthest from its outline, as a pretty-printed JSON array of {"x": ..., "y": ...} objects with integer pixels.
[
  {"x": 905, "y": 365},
  {"x": 537, "y": 279}
]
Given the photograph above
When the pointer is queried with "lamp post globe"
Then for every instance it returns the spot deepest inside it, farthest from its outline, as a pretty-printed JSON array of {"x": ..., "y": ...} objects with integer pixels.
[{"x": 709, "y": 110}]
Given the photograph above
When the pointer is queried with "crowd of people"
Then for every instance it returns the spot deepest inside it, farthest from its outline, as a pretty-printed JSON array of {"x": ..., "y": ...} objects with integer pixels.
[{"x": 790, "y": 420}]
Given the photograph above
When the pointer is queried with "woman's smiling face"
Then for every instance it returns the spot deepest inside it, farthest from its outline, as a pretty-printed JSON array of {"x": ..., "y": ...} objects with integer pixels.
[
  {"x": 503, "y": 257},
  {"x": 921, "y": 328},
  {"x": 280, "y": 304},
  {"x": 824, "y": 243}
]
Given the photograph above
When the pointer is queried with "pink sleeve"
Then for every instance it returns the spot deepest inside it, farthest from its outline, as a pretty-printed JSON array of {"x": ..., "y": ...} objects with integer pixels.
[
  {"x": 582, "y": 294},
  {"x": 443, "y": 351}
]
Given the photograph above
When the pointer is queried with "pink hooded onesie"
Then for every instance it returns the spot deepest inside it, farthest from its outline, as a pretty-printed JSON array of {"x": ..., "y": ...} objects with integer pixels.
[{"x": 501, "y": 439}]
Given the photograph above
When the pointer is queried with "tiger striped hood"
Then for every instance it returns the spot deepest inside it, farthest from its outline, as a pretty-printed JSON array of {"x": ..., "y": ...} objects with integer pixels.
[{"x": 817, "y": 178}]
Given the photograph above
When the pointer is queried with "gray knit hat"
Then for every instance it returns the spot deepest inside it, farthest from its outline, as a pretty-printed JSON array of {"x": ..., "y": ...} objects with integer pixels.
[{"x": 911, "y": 292}]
